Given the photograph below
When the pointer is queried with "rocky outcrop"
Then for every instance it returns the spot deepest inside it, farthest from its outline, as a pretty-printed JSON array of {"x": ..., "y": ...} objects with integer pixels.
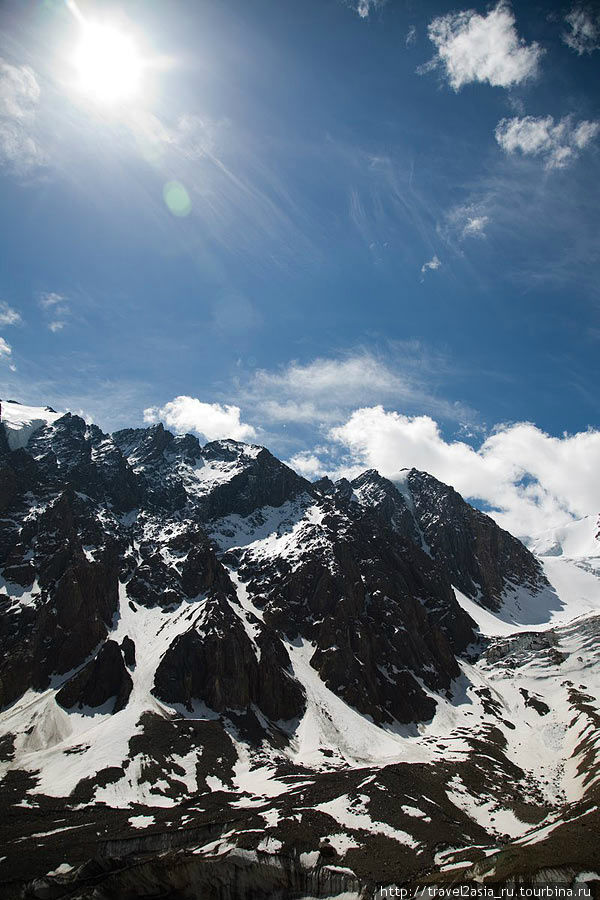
[
  {"x": 221, "y": 668},
  {"x": 72, "y": 607},
  {"x": 261, "y": 481},
  {"x": 103, "y": 679},
  {"x": 481, "y": 559}
]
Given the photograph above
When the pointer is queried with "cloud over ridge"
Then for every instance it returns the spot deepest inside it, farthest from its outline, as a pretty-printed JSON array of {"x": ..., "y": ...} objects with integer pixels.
[
  {"x": 212, "y": 420},
  {"x": 529, "y": 479}
]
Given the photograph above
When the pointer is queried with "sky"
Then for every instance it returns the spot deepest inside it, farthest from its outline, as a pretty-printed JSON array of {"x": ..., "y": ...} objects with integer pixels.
[{"x": 360, "y": 233}]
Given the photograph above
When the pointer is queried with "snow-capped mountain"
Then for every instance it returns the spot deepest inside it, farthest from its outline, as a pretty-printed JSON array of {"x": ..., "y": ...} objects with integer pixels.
[{"x": 211, "y": 664}]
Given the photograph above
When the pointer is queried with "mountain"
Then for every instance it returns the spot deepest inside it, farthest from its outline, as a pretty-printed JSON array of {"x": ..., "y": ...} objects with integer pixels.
[{"x": 210, "y": 665}]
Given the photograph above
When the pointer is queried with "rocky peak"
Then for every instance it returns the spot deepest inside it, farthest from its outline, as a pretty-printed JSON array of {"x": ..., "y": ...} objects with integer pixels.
[{"x": 482, "y": 559}]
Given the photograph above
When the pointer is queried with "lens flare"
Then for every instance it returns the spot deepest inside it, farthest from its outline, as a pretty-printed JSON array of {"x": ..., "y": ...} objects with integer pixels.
[{"x": 177, "y": 198}]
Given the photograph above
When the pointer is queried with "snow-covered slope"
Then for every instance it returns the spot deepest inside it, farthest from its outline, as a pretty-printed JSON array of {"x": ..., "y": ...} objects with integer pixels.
[
  {"x": 22, "y": 421},
  {"x": 579, "y": 539}
]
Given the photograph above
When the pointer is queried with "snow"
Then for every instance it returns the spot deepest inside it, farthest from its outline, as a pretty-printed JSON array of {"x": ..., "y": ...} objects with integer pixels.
[
  {"x": 580, "y": 538},
  {"x": 353, "y": 813},
  {"x": 270, "y": 844},
  {"x": 21, "y": 422},
  {"x": 63, "y": 869},
  {"x": 284, "y": 532},
  {"x": 141, "y": 821},
  {"x": 329, "y": 723},
  {"x": 574, "y": 593},
  {"x": 486, "y": 812},
  {"x": 46, "y": 734},
  {"x": 259, "y": 781},
  {"x": 342, "y": 842}
]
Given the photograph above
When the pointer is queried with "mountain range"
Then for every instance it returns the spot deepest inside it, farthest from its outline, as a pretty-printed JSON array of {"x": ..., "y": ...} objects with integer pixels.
[{"x": 211, "y": 665}]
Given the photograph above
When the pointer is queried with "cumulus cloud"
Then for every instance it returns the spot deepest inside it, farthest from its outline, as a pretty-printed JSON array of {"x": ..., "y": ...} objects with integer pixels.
[
  {"x": 5, "y": 349},
  {"x": 307, "y": 464},
  {"x": 475, "y": 48},
  {"x": 558, "y": 144},
  {"x": 212, "y": 420},
  {"x": 8, "y": 315},
  {"x": 20, "y": 151},
  {"x": 583, "y": 29},
  {"x": 432, "y": 265},
  {"x": 530, "y": 479}
]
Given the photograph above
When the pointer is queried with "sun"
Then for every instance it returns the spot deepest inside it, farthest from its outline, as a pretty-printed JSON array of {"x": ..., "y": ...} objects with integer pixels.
[{"x": 107, "y": 64}]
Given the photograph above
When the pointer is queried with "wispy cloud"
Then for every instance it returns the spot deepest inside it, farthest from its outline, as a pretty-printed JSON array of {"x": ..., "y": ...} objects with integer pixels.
[
  {"x": 5, "y": 349},
  {"x": 52, "y": 300},
  {"x": 583, "y": 29},
  {"x": 365, "y": 7},
  {"x": 211, "y": 420},
  {"x": 475, "y": 226},
  {"x": 475, "y": 48},
  {"x": 20, "y": 151},
  {"x": 322, "y": 392},
  {"x": 56, "y": 308},
  {"x": 411, "y": 36},
  {"x": 8, "y": 315},
  {"x": 558, "y": 144},
  {"x": 464, "y": 221},
  {"x": 431, "y": 266}
]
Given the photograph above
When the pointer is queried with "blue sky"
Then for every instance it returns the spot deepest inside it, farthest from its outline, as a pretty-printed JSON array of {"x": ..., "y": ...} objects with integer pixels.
[{"x": 393, "y": 208}]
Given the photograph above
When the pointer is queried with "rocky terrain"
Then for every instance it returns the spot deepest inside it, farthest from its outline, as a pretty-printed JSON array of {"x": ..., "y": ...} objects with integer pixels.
[{"x": 210, "y": 665}]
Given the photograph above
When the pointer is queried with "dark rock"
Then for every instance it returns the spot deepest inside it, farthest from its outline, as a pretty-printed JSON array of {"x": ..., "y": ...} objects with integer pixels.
[
  {"x": 104, "y": 678},
  {"x": 128, "y": 650}
]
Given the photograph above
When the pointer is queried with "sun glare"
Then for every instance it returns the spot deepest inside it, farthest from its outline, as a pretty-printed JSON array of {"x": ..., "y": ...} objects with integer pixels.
[{"x": 108, "y": 65}]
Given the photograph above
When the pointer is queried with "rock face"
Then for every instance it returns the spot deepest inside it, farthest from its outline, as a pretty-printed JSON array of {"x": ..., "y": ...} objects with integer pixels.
[
  {"x": 481, "y": 558},
  {"x": 102, "y": 680},
  {"x": 220, "y": 667}
]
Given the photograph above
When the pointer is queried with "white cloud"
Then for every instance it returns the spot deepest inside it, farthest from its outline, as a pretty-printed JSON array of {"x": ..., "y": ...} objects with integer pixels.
[
  {"x": 212, "y": 420},
  {"x": 20, "y": 151},
  {"x": 531, "y": 479},
  {"x": 8, "y": 315},
  {"x": 56, "y": 325},
  {"x": 476, "y": 48},
  {"x": 308, "y": 465},
  {"x": 557, "y": 143},
  {"x": 432, "y": 265},
  {"x": 5, "y": 349},
  {"x": 583, "y": 34}
]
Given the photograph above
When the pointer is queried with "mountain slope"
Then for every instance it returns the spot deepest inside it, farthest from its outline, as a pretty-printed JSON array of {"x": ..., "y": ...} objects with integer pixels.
[{"x": 204, "y": 650}]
